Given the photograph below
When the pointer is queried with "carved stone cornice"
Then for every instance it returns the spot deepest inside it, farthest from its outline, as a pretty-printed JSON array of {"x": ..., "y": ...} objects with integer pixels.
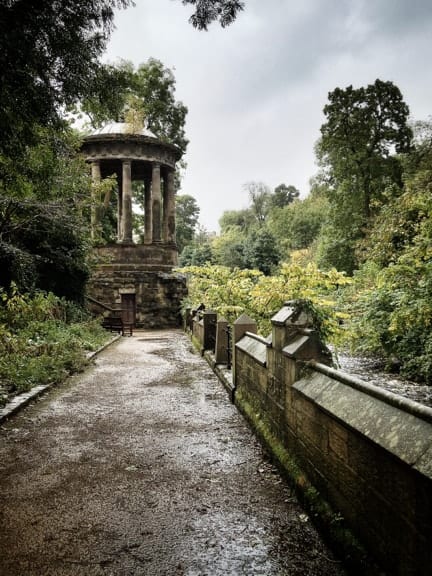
[{"x": 131, "y": 146}]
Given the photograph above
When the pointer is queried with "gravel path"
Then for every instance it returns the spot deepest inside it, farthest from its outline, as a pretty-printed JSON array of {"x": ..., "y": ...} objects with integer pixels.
[{"x": 141, "y": 466}]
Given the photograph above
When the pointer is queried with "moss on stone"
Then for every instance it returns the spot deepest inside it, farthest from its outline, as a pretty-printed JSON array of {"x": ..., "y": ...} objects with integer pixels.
[{"x": 331, "y": 524}]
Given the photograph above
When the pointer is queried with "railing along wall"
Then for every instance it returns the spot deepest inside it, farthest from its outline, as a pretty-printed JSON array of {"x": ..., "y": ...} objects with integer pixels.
[{"x": 366, "y": 451}]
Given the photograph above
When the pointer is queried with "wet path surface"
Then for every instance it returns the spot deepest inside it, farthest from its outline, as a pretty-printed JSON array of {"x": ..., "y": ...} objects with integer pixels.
[{"x": 141, "y": 466}]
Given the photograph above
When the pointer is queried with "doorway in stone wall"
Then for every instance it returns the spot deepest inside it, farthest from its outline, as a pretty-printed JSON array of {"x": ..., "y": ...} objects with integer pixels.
[{"x": 128, "y": 305}]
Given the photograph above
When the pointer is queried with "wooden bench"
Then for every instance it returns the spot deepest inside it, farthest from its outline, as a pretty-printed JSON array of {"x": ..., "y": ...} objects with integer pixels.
[{"x": 116, "y": 324}]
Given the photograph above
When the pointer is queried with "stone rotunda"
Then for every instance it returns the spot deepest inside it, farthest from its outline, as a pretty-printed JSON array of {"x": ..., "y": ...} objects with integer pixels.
[{"x": 134, "y": 279}]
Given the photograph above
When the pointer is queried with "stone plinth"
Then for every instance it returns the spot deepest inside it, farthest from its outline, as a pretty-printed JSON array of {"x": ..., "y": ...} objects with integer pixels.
[{"x": 156, "y": 290}]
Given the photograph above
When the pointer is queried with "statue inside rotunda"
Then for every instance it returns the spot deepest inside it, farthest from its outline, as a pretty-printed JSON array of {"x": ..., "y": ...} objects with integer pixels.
[{"x": 133, "y": 277}]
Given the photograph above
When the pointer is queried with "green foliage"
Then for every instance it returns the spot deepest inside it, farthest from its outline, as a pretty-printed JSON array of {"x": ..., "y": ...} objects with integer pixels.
[
  {"x": 43, "y": 231},
  {"x": 261, "y": 251},
  {"x": 298, "y": 224},
  {"x": 48, "y": 57},
  {"x": 336, "y": 248},
  {"x": 393, "y": 300},
  {"x": 363, "y": 128},
  {"x": 42, "y": 339},
  {"x": 260, "y": 200},
  {"x": 208, "y": 11},
  {"x": 229, "y": 249},
  {"x": 232, "y": 292},
  {"x": 147, "y": 95},
  {"x": 284, "y": 195},
  {"x": 187, "y": 214},
  {"x": 274, "y": 225},
  {"x": 196, "y": 255},
  {"x": 239, "y": 221}
]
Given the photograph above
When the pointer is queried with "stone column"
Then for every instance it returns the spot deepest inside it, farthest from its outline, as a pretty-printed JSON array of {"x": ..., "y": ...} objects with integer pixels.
[
  {"x": 95, "y": 201},
  {"x": 156, "y": 202},
  {"x": 126, "y": 216},
  {"x": 169, "y": 208},
  {"x": 119, "y": 205},
  {"x": 148, "y": 211}
]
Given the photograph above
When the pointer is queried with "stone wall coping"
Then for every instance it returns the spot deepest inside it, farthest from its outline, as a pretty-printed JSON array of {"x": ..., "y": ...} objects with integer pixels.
[
  {"x": 253, "y": 347},
  {"x": 294, "y": 346},
  {"x": 401, "y": 433},
  {"x": 283, "y": 315},
  {"x": 405, "y": 404},
  {"x": 258, "y": 338}
]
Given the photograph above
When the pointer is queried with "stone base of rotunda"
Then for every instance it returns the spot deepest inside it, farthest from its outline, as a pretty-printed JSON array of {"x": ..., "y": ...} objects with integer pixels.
[{"x": 123, "y": 278}]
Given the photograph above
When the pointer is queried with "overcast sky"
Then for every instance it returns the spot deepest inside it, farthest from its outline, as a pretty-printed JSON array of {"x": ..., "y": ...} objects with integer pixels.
[{"x": 255, "y": 90}]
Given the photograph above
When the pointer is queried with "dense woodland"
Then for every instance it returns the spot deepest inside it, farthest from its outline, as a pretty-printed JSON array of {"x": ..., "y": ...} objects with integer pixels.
[
  {"x": 357, "y": 247},
  {"x": 51, "y": 73}
]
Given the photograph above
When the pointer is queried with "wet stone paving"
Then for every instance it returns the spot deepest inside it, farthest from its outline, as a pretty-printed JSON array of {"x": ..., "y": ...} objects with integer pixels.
[{"x": 141, "y": 466}]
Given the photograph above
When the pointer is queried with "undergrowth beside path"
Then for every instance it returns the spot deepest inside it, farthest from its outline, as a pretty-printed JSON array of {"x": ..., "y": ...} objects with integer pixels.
[{"x": 43, "y": 339}]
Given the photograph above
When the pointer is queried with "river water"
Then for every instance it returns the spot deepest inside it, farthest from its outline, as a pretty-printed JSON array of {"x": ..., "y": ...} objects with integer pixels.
[{"x": 372, "y": 370}]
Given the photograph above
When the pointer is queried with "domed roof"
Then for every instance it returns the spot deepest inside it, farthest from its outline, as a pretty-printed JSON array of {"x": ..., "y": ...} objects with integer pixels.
[{"x": 119, "y": 128}]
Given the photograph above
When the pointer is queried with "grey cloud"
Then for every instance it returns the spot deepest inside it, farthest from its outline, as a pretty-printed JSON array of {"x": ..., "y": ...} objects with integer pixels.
[{"x": 396, "y": 17}]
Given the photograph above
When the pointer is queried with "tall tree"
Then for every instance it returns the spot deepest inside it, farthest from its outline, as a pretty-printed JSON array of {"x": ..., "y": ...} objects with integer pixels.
[
  {"x": 146, "y": 94},
  {"x": 237, "y": 220},
  {"x": 49, "y": 58},
  {"x": 364, "y": 130},
  {"x": 187, "y": 214},
  {"x": 283, "y": 195},
  {"x": 259, "y": 197},
  {"x": 229, "y": 249},
  {"x": 261, "y": 251}
]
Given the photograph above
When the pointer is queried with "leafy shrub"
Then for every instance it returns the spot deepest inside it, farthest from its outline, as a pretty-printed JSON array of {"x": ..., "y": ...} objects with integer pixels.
[
  {"x": 42, "y": 339},
  {"x": 232, "y": 292},
  {"x": 391, "y": 302}
]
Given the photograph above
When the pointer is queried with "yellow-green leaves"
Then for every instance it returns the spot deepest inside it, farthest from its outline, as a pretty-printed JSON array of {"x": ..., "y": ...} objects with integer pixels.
[{"x": 232, "y": 292}]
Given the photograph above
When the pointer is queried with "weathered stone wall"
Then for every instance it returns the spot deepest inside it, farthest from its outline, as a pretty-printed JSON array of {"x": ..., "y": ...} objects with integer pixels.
[
  {"x": 162, "y": 257},
  {"x": 139, "y": 270},
  {"x": 373, "y": 461},
  {"x": 368, "y": 452}
]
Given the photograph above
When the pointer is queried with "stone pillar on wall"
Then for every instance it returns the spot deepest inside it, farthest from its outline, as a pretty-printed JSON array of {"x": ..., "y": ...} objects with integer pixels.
[
  {"x": 209, "y": 321},
  {"x": 148, "y": 211},
  {"x": 283, "y": 327},
  {"x": 221, "y": 352},
  {"x": 295, "y": 340},
  {"x": 95, "y": 212},
  {"x": 156, "y": 202},
  {"x": 242, "y": 325},
  {"x": 126, "y": 215},
  {"x": 169, "y": 208}
]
